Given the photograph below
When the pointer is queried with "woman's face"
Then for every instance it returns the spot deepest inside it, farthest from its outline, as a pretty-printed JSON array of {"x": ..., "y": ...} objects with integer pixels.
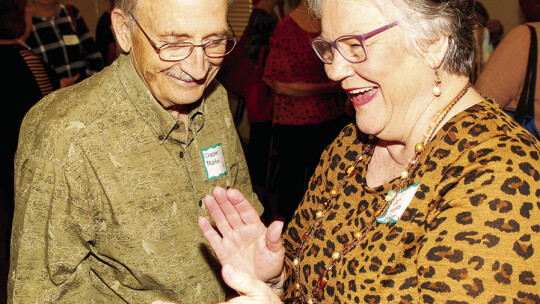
[
  {"x": 47, "y": 2},
  {"x": 28, "y": 11},
  {"x": 384, "y": 88}
]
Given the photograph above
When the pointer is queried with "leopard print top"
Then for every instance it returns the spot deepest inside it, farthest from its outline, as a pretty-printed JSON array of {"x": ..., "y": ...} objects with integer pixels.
[{"x": 471, "y": 234}]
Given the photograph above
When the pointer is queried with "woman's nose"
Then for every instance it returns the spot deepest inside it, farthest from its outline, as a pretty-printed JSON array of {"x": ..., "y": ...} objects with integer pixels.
[{"x": 339, "y": 69}]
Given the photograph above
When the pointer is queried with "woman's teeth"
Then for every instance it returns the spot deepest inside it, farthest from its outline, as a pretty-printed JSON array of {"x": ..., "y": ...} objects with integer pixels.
[{"x": 360, "y": 91}]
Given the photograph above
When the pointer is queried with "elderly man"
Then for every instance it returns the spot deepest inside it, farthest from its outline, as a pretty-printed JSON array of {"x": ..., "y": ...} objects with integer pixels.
[{"x": 111, "y": 173}]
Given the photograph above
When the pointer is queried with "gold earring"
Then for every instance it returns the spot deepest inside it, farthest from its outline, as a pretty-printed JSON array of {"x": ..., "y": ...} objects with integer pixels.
[{"x": 437, "y": 89}]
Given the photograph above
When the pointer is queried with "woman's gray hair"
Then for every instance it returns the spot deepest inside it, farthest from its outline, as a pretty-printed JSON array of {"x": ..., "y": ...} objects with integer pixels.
[
  {"x": 423, "y": 21},
  {"x": 130, "y": 7}
]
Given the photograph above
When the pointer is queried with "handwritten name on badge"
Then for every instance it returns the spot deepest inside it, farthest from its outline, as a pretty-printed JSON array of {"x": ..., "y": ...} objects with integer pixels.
[
  {"x": 400, "y": 203},
  {"x": 214, "y": 161}
]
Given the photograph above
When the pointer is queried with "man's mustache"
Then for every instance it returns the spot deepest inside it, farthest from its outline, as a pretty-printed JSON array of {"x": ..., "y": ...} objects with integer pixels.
[{"x": 183, "y": 76}]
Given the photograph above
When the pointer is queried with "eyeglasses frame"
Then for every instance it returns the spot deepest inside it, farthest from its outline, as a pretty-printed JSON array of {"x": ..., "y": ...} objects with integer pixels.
[
  {"x": 158, "y": 49},
  {"x": 362, "y": 38}
]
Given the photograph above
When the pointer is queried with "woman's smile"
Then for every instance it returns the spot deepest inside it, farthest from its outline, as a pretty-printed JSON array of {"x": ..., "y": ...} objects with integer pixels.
[{"x": 362, "y": 96}]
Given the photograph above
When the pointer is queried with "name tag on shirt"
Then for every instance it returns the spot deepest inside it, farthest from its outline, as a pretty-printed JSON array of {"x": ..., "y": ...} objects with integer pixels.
[
  {"x": 70, "y": 39},
  {"x": 214, "y": 161},
  {"x": 400, "y": 203}
]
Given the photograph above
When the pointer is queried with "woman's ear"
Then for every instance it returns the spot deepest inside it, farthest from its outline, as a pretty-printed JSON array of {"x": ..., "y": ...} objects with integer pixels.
[
  {"x": 122, "y": 31},
  {"x": 436, "y": 51}
]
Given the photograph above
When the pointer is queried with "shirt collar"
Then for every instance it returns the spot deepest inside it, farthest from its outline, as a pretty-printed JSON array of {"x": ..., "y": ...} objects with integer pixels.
[{"x": 161, "y": 122}]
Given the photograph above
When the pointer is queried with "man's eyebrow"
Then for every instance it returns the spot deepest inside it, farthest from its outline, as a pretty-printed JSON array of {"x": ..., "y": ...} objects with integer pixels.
[{"x": 173, "y": 34}]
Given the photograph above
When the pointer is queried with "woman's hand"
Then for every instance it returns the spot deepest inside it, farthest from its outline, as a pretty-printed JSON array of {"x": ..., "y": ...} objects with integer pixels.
[
  {"x": 66, "y": 82},
  {"x": 250, "y": 289},
  {"x": 243, "y": 241}
]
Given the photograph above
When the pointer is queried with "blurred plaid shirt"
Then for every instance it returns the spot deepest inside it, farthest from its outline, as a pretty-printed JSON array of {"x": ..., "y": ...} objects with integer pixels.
[{"x": 68, "y": 49}]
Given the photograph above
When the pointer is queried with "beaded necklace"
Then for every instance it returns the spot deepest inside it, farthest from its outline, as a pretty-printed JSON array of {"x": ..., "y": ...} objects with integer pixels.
[{"x": 358, "y": 236}]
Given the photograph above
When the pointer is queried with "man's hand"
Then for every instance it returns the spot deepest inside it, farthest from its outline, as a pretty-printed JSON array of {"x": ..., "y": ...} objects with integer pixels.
[
  {"x": 251, "y": 290},
  {"x": 243, "y": 241}
]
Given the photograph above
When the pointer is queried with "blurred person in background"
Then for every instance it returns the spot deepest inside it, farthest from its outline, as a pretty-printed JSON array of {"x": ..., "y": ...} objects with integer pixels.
[
  {"x": 26, "y": 76},
  {"x": 259, "y": 98},
  {"x": 241, "y": 73},
  {"x": 494, "y": 26},
  {"x": 510, "y": 75},
  {"x": 309, "y": 109},
  {"x": 530, "y": 9},
  {"x": 25, "y": 80},
  {"x": 488, "y": 34},
  {"x": 61, "y": 37},
  {"x": 105, "y": 38}
]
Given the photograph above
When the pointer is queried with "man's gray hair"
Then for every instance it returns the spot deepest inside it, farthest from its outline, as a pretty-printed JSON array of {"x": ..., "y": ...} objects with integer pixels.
[
  {"x": 423, "y": 21},
  {"x": 130, "y": 7}
]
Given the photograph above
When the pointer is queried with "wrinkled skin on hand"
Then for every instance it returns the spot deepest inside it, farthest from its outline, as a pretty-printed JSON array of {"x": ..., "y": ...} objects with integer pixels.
[{"x": 241, "y": 239}]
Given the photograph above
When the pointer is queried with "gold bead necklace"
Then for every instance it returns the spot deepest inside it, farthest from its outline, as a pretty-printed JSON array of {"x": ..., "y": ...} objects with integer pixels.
[{"x": 358, "y": 236}]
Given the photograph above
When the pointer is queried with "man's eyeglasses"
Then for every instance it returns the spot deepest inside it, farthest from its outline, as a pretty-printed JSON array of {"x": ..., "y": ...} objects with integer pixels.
[
  {"x": 351, "y": 47},
  {"x": 180, "y": 51}
]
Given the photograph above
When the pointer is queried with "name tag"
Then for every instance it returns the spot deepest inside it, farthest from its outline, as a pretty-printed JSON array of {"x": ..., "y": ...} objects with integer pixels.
[
  {"x": 214, "y": 161},
  {"x": 70, "y": 39},
  {"x": 400, "y": 203}
]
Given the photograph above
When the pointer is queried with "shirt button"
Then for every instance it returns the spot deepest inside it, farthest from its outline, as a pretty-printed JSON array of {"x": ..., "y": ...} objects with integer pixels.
[
  {"x": 160, "y": 137},
  {"x": 181, "y": 154},
  {"x": 200, "y": 203},
  {"x": 176, "y": 126}
]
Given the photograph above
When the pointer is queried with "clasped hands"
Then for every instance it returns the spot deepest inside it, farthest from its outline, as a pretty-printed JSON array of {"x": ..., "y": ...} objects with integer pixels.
[{"x": 252, "y": 255}]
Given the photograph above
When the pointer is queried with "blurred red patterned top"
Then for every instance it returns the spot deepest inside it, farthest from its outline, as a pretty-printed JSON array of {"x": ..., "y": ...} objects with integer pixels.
[{"x": 291, "y": 59}]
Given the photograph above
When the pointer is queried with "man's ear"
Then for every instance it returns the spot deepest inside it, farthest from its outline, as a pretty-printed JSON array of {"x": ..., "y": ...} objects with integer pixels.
[
  {"x": 122, "y": 31},
  {"x": 436, "y": 51}
]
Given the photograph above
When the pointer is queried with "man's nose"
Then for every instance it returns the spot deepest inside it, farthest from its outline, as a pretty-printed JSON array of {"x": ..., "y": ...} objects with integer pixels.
[{"x": 196, "y": 64}]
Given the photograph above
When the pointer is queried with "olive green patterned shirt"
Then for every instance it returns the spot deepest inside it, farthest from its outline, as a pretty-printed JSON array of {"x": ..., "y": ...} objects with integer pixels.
[{"x": 109, "y": 191}]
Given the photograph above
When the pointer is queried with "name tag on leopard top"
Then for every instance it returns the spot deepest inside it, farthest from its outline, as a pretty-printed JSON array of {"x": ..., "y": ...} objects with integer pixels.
[
  {"x": 400, "y": 203},
  {"x": 214, "y": 161}
]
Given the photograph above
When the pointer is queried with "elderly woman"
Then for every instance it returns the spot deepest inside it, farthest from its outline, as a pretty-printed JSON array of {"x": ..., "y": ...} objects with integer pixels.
[{"x": 433, "y": 196}]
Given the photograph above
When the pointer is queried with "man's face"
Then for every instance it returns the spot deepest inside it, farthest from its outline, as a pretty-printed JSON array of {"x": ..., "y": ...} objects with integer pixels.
[{"x": 172, "y": 21}]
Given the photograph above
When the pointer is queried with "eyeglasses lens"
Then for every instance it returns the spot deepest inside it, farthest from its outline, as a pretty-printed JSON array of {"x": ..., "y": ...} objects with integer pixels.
[
  {"x": 175, "y": 52},
  {"x": 219, "y": 48},
  {"x": 352, "y": 49},
  {"x": 214, "y": 49},
  {"x": 349, "y": 47},
  {"x": 323, "y": 50}
]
